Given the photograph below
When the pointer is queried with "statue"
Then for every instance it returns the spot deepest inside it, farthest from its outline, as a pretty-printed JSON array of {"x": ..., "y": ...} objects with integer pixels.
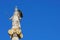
[{"x": 15, "y": 32}]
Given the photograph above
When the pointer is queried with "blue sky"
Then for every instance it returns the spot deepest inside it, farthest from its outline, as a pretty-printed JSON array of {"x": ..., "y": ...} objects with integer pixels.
[{"x": 41, "y": 19}]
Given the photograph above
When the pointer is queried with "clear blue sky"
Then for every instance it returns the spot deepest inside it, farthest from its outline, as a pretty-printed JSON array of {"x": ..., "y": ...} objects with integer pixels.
[{"x": 41, "y": 19}]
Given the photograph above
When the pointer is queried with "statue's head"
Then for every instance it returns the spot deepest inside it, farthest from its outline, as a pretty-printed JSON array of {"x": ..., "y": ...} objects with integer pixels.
[{"x": 18, "y": 12}]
